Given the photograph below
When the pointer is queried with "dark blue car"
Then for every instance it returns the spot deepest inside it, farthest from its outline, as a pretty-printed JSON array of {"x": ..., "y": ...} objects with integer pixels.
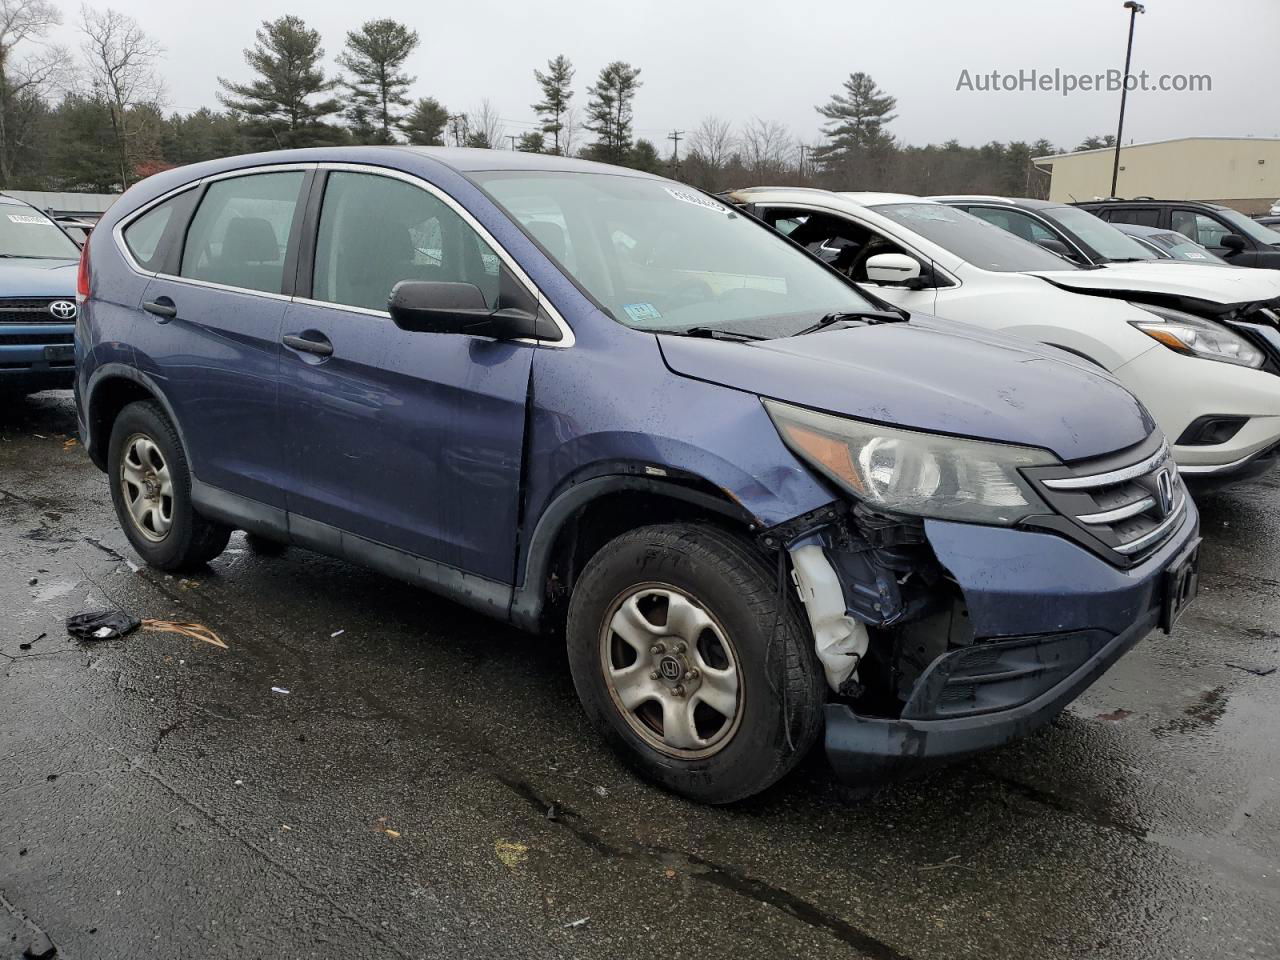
[
  {"x": 757, "y": 501},
  {"x": 37, "y": 300}
]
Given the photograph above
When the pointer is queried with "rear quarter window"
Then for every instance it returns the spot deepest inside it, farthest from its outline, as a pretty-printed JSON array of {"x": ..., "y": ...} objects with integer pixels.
[{"x": 149, "y": 237}]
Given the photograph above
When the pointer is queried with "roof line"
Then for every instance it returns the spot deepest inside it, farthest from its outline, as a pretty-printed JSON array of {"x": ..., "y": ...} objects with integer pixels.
[{"x": 1148, "y": 143}]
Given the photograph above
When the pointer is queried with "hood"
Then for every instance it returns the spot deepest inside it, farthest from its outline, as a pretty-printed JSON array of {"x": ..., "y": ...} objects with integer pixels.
[
  {"x": 1191, "y": 281},
  {"x": 931, "y": 375},
  {"x": 38, "y": 278}
]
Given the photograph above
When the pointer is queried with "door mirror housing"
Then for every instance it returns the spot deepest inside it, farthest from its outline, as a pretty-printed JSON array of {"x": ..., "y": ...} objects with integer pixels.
[
  {"x": 895, "y": 269},
  {"x": 426, "y": 306},
  {"x": 1054, "y": 245},
  {"x": 1233, "y": 242}
]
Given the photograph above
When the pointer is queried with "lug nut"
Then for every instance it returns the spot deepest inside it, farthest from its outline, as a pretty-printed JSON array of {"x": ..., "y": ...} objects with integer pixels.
[
  {"x": 658, "y": 648},
  {"x": 691, "y": 674},
  {"x": 678, "y": 690},
  {"x": 653, "y": 674},
  {"x": 680, "y": 647}
]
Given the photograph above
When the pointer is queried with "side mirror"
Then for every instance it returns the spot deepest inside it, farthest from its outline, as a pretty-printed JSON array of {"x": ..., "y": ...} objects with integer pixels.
[
  {"x": 892, "y": 268},
  {"x": 423, "y": 306},
  {"x": 1233, "y": 242},
  {"x": 1054, "y": 245}
]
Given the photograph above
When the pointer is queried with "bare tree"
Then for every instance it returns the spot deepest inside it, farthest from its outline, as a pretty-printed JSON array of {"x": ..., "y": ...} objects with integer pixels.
[
  {"x": 486, "y": 126},
  {"x": 569, "y": 129},
  {"x": 22, "y": 80},
  {"x": 713, "y": 141},
  {"x": 119, "y": 58},
  {"x": 767, "y": 149}
]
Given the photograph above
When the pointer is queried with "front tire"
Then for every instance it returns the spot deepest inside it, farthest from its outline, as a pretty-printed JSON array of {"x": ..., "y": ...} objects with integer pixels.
[
  {"x": 151, "y": 490},
  {"x": 675, "y": 658}
]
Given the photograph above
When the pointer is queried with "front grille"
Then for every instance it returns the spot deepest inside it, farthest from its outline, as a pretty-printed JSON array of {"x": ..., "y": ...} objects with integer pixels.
[
  {"x": 34, "y": 339},
  {"x": 32, "y": 310},
  {"x": 1124, "y": 506}
]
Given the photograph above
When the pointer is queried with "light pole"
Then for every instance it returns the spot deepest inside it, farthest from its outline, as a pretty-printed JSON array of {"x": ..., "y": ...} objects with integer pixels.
[{"x": 1134, "y": 9}]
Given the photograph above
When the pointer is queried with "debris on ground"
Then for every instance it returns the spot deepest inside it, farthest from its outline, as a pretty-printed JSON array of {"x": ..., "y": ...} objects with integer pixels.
[
  {"x": 601, "y": 792},
  {"x": 552, "y": 811},
  {"x": 195, "y": 631},
  {"x": 33, "y": 581},
  {"x": 380, "y": 825},
  {"x": 573, "y": 924},
  {"x": 101, "y": 624},
  {"x": 337, "y": 633},
  {"x": 510, "y": 852},
  {"x": 1116, "y": 715},
  {"x": 40, "y": 948},
  {"x": 1255, "y": 668},
  {"x": 279, "y": 690}
]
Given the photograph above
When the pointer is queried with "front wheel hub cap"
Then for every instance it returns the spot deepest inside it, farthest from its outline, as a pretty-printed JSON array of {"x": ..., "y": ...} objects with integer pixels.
[{"x": 672, "y": 671}]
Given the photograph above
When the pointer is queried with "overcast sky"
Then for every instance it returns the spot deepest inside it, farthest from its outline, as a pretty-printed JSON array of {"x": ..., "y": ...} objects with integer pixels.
[{"x": 775, "y": 60}]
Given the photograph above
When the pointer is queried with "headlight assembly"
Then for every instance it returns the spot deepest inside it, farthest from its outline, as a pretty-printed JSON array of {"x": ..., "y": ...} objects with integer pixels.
[
  {"x": 925, "y": 474},
  {"x": 1198, "y": 337}
]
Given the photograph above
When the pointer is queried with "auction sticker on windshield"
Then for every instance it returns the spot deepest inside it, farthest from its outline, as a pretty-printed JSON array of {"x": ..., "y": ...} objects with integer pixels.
[
  {"x": 699, "y": 201},
  {"x": 642, "y": 312}
]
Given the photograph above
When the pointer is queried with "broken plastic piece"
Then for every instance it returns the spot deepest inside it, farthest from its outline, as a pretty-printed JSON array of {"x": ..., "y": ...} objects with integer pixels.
[
  {"x": 101, "y": 624},
  {"x": 840, "y": 640},
  {"x": 279, "y": 690}
]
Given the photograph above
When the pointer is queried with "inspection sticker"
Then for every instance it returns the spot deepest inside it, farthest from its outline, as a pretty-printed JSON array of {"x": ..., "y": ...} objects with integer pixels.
[
  {"x": 698, "y": 200},
  {"x": 642, "y": 312},
  {"x": 27, "y": 218}
]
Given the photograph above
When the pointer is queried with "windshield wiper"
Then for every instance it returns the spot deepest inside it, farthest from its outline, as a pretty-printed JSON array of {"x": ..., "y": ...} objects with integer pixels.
[
  {"x": 715, "y": 333},
  {"x": 869, "y": 317}
]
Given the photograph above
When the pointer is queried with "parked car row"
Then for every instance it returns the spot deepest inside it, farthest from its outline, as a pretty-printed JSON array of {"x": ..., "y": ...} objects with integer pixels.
[{"x": 1199, "y": 347}]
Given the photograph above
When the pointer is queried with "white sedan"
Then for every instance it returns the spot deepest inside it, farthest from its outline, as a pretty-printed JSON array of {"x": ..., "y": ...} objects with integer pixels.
[{"x": 1199, "y": 346}]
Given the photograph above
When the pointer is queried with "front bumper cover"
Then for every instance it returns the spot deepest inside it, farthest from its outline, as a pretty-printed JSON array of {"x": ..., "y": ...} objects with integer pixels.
[{"x": 1063, "y": 616}]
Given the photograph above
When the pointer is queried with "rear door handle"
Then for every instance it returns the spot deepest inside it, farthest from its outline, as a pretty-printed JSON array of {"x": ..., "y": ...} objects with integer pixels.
[
  {"x": 321, "y": 348},
  {"x": 162, "y": 307}
]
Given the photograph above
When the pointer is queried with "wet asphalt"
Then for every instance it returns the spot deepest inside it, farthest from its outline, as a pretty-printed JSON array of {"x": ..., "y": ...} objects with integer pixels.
[{"x": 428, "y": 786}]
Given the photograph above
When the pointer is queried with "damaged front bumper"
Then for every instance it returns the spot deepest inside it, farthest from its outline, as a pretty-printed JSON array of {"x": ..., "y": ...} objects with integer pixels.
[{"x": 1048, "y": 618}]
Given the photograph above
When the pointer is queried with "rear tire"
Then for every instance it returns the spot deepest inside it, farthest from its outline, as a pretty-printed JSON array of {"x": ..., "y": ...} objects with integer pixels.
[
  {"x": 671, "y": 644},
  {"x": 151, "y": 490}
]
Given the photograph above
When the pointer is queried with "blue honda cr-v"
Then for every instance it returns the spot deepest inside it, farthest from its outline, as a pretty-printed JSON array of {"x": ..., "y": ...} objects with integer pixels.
[
  {"x": 756, "y": 500},
  {"x": 37, "y": 300}
]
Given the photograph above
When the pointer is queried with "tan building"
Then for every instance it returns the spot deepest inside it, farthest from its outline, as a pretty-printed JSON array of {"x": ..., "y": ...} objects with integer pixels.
[{"x": 1241, "y": 172}]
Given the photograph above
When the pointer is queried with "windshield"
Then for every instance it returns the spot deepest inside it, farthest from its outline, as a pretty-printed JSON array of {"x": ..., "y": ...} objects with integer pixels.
[
  {"x": 981, "y": 243},
  {"x": 1249, "y": 227},
  {"x": 1182, "y": 248},
  {"x": 26, "y": 232},
  {"x": 666, "y": 258},
  {"x": 1108, "y": 242}
]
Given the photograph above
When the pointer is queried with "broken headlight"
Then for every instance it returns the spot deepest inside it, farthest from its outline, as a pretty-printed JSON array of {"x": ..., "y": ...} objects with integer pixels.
[
  {"x": 1195, "y": 336},
  {"x": 925, "y": 474}
]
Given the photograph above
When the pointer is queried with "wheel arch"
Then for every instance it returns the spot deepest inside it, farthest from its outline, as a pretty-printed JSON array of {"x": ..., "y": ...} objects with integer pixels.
[
  {"x": 112, "y": 388},
  {"x": 587, "y": 515}
]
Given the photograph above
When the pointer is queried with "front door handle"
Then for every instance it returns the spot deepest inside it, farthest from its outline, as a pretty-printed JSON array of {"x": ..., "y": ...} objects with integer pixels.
[
  {"x": 321, "y": 347},
  {"x": 162, "y": 307}
]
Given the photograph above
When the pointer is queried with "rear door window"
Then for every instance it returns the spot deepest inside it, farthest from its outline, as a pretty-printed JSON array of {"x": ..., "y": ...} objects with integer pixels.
[
  {"x": 1015, "y": 222},
  {"x": 1143, "y": 217},
  {"x": 240, "y": 233},
  {"x": 376, "y": 231}
]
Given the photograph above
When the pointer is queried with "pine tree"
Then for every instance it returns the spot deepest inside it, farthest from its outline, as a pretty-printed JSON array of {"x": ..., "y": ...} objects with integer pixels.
[
  {"x": 609, "y": 111},
  {"x": 856, "y": 120},
  {"x": 425, "y": 124},
  {"x": 532, "y": 142},
  {"x": 375, "y": 54},
  {"x": 279, "y": 106},
  {"x": 556, "y": 94}
]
